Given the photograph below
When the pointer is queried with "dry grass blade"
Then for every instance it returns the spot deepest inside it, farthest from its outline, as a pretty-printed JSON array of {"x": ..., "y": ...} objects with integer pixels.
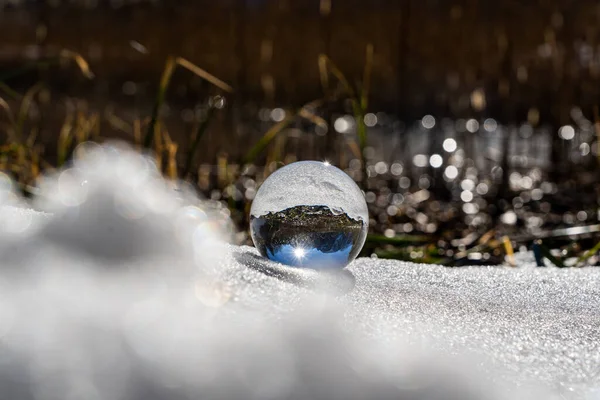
[
  {"x": 307, "y": 111},
  {"x": 117, "y": 122},
  {"x": 159, "y": 149},
  {"x": 137, "y": 131},
  {"x": 85, "y": 127},
  {"x": 30, "y": 142},
  {"x": 315, "y": 119},
  {"x": 64, "y": 54},
  {"x": 4, "y": 105},
  {"x": 329, "y": 66},
  {"x": 171, "y": 150},
  {"x": 355, "y": 149},
  {"x": 35, "y": 163},
  {"x": 80, "y": 61},
  {"x": 95, "y": 126},
  {"x": 486, "y": 237},
  {"x": 11, "y": 130},
  {"x": 324, "y": 75},
  {"x": 204, "y": 75},
  {"x": 172, "y": 162},
  {"x": 314, "y": 104},
  {"x": 222, "y": 170},
  {"x": 508, "y": 248}
]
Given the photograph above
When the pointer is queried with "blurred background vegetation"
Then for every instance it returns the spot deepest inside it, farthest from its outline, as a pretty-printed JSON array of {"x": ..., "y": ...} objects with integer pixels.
[{"x": 472, "y": 126}]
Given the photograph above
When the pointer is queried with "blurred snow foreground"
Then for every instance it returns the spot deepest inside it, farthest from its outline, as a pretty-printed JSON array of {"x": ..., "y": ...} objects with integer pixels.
[{"x": 125, "y": 289}]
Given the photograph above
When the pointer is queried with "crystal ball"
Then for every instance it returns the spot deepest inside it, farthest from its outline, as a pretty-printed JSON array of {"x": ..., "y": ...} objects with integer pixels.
[{"x": 309, "y": 214}]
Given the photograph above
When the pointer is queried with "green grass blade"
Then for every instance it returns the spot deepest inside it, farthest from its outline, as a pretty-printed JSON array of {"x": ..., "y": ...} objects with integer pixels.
[
  {"x": 360, "y": 110},
  {"x": 199, "y": 134},
  {"x": 586, "y": 256},
  {"x": 13, "y": 124},
  {"x": 325, "y": 62},
  {"x": 366, "y": 83},
  {"x": 165, "y": 80},
  {"x": 171, "y": 64},
  {"x": 359, "y": 104},
  {"x": 24, "y": 110},
  {"x": 65, "y": 139},
  {"x": 554, "y": 260},
  {"x": 9, "y": 91},
  {"x": 263, "y": 142}
]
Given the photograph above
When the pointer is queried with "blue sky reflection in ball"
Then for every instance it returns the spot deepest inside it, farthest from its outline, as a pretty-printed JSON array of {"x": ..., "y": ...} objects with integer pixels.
[{"x": 309, "y": 214}]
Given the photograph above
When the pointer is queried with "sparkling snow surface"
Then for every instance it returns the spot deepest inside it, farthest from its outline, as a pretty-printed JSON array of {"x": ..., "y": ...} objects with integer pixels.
[
  {"x": 127, "y": 292},
  {"x": 519, "y": 325}
]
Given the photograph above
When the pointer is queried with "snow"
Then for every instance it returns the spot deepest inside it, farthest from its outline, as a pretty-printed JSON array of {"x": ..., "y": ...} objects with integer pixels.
[
  {"x": 310, "y": 183},
  {"x": 128, "y": 291}
]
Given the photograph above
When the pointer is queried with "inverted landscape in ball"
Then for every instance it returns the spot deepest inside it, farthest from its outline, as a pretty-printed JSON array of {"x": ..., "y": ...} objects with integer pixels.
[{"x": 309, "y": 214}]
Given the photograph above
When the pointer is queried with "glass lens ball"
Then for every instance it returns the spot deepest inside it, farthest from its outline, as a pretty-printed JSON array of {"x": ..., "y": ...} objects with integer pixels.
[{"x": 309, "y": 214}]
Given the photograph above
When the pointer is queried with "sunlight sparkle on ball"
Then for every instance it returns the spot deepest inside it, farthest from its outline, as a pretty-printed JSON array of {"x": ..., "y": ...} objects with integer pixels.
[{"x": 309, "y": 214}]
